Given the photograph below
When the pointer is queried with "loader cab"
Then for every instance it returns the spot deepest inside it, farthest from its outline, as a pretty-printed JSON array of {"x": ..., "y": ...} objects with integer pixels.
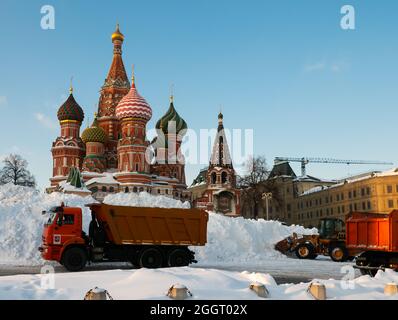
[{"x": 331, "y": 228}]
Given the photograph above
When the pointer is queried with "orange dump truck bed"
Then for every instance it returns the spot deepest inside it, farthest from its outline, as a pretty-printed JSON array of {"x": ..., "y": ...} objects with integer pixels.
[
  {"x": 139, "y": 225},
  {"x": 372, "y": 231}
]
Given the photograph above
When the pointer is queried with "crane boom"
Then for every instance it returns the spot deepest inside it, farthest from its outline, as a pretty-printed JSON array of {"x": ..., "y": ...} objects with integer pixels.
[{"x": 305, "y": 160}]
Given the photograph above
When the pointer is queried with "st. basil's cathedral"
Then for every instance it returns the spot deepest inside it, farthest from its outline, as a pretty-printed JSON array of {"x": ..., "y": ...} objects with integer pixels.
[{"x": 112, "y": 153}]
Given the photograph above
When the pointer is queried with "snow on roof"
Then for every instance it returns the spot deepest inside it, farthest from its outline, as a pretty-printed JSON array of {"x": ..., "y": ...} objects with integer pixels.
[
  {"x": 66, "y": 186},
  {"x": 106, "y": 178}
]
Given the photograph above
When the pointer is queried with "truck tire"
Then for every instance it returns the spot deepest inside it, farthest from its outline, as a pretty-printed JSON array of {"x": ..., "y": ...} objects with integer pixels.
[
  {"x": 151, "y": 258},
  {"x": 178, "y": 258},
  {"x": 338, "y": 253},
  {"x": 74, "y": 259},
  {"x": 305, "y": 251}
]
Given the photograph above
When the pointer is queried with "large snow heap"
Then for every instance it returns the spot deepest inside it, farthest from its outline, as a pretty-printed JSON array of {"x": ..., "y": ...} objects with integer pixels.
[{"x": 230, "y": 240}]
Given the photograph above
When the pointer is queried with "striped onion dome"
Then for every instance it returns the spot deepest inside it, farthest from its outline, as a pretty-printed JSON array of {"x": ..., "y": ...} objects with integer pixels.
[
  {"x": 94, "y": 133},
  {"x": 171, "y": 116},
  {"x": 133, "y": 105},
  {"x": 70, "y": 110}
]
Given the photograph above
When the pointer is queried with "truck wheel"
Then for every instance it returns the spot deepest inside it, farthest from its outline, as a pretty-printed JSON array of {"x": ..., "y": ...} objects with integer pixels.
[
  {"x": 178, "y": 258},
  {"x": 305, "y": 251},
  {"x": 151, "y": 258},
  {"x": 338, "y": 253},
  {"x": 74, "y": 259}
]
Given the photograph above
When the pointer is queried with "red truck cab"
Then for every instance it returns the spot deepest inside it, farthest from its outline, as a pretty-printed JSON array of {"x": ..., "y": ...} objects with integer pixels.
[{"x": 63, "y": 228}]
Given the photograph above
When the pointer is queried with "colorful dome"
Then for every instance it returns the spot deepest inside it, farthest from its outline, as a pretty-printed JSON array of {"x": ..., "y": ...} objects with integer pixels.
[
  {"x": 117, "y": 35},
  {"x": 171, "y": 115},
  {"x": 133, "y": 105},
  {"x": 94, "y": 133},
  {"x": 70, "y": 110}
]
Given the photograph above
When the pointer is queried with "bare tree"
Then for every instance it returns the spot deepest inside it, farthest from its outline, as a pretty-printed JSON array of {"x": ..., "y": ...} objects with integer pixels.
[
  {"x": 254, "y": 183},
  {"x": 15, "y": 171}
]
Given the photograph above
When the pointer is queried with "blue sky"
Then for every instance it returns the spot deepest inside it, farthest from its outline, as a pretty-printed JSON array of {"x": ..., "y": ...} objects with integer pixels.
[{"x": 283, "y": 68}]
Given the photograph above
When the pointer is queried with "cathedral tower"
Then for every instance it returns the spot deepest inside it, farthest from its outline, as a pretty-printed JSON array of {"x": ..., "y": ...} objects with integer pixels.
[
  {"x": 68, "y": 149},
  {"x": 116, "y": 86}
]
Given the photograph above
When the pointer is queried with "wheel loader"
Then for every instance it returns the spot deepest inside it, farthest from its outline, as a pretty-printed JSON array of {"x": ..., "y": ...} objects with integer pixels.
[{"x": 329, "y": 242}]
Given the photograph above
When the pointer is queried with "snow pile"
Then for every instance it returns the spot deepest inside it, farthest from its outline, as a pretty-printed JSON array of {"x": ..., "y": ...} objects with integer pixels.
[
  {"x": 205, "y": 284},
  {"x": 144, "y": 199},
  {"x": 242, "y": 241},
  {"x": 21, "y": 221}
]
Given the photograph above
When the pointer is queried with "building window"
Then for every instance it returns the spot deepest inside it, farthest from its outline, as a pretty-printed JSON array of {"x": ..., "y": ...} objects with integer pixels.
[
  {"x": 331, "y": 211},
  {"x": 126, "y": 190},
  {"x": 224, "y": 177},
  {"x": 338, "y": 197},
  {"x": 349, "y": 194},
  {"x": 327, "y": 200},
  {"x": 167, "y": 191},
  {"x": 350, "y": 207},
  {"x": 342, "y": 196},
  {"x": 213, "y": 178},
  {"x": 320, "y": 201},
  {"x": 135, "y": 189},
  {"x": 355, "y": 207},
  {"x": 111, "y": 189},
  {"x": 363, "y": 205},
  {"x": 141, "y": 189},
  {"x": 369, "y": 205},
  {"x": 362, "y": 192},
  {"x": 389, "y": 189},
  {"x": 368, "y": 190},
  {"x": 158, "y": 190},
  {"x": 331, "y": 199},
  {"x": 327, "y": 211},
  {"x": 391, "y": 203},
  {"x": 354, "y": 193},
  {"x": 136, "y": 167},
  {"x": 338, "y": 210},
  {"x": 103, "y": 189},
  {"x": 288, "y": 207},
  {"x": 342, "y": 209},
  {"x": 287, "y": 190}
]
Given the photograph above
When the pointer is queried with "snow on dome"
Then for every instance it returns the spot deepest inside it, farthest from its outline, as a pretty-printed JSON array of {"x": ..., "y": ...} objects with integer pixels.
[{"x": 133, "y": 105}]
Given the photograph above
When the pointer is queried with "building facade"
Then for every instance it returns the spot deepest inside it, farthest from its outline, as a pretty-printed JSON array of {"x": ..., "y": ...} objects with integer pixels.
[
  {"x": 114, "y": 153},
  {"x": 215, "y": 188},
  {"x": 306, "y": 200}
]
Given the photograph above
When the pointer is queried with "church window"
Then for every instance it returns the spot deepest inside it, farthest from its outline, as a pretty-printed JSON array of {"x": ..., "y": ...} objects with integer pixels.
[
  {"x": 213, "y": 178},
  {"x": 103, "y": 189},
  {"x": 224, "y": 177},
  {"x": 135, "y": 189},
  {"x": 126, "y": 190},
  {"x": 141, "y": 189}
]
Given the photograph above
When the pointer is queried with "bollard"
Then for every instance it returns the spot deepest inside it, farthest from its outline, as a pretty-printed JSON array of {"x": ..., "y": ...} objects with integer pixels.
[
  {"x": 259, "y": 289},
  {"x": 178, "y": 292},
  {"x": 97, "y": 294},
  {"x": 390, "y": 289},
  {"x": 317, "y": 290}
]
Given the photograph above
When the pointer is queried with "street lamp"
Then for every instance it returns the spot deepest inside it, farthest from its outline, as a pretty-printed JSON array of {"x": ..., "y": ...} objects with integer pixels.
[{"x": 266, "y": 196}]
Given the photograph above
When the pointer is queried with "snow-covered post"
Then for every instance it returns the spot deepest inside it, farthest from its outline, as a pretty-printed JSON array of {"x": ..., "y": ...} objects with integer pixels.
[
  {"x": 317, "y": 290},
  {"x": 179, "y": 292},
  {"x": 390, "y": 289},
  {"x": 259, "y": 289},
  {"x": 97, "y": 294}
]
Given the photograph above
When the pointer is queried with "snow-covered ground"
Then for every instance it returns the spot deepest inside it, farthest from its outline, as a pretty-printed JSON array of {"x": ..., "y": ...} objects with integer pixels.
[
  {"x": 204, "y": 284},
  {"x": 231, "y": 241}
]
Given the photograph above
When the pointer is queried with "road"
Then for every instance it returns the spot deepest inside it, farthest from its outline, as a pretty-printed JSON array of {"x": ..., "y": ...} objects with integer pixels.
[{"x": 284, "y": 271}]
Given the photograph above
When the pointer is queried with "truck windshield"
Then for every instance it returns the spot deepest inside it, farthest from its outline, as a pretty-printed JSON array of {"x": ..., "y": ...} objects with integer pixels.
[{"x": 51, "y": 218}]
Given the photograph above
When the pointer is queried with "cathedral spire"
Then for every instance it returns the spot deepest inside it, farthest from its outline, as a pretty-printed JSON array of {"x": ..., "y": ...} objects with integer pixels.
[{"x": 117, "y": 76}]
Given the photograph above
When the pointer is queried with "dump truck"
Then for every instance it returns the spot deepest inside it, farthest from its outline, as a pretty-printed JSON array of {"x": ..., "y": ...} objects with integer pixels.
[
  {"x": 370, "y": 238},
  {"x": 145, "y": 237},
  {"x": 329, "y": 242},
  {"x": 373, "y": 239}
]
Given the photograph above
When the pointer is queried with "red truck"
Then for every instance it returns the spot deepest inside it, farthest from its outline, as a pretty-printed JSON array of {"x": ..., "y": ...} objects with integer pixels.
[
  {"x": 146, "y": 237},
  {"x": 373, "y": 238}
]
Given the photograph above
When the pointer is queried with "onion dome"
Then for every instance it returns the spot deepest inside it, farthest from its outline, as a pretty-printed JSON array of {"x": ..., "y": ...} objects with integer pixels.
[
  {"x": 70, "y": 110},
  {"x": 133, "y": 105},
  {"x": 171, "y": 115},
  {"x": 117, "y": 35},
  {"x": 94, "y": 133}
]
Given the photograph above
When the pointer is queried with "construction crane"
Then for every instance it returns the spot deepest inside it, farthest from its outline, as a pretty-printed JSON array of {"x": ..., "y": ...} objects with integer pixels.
[{"x": 304, "y": 161}]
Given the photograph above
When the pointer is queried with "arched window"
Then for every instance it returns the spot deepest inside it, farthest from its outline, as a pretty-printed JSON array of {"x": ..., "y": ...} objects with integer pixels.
[
  {"x": 126, "y": 190},
  {"x": 111, "y": 189},
  {"x": 224, "y": 177},
  {"x": 135, "y": 189},
  {"x": 103, "y": 189},
  {"x": 213, "y": 178},
  {"x": 136, "y": 167},
  {"x": 141, "y": 189}
]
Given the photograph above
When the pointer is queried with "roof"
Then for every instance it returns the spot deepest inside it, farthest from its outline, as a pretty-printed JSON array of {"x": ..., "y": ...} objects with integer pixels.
[
  {"x": 282, "y": 169},
  {"x": 70, "y": 110}
]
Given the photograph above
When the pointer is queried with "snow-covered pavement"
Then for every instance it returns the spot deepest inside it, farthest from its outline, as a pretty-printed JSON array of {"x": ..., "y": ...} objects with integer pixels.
[{"x": 203, "y": 283}]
